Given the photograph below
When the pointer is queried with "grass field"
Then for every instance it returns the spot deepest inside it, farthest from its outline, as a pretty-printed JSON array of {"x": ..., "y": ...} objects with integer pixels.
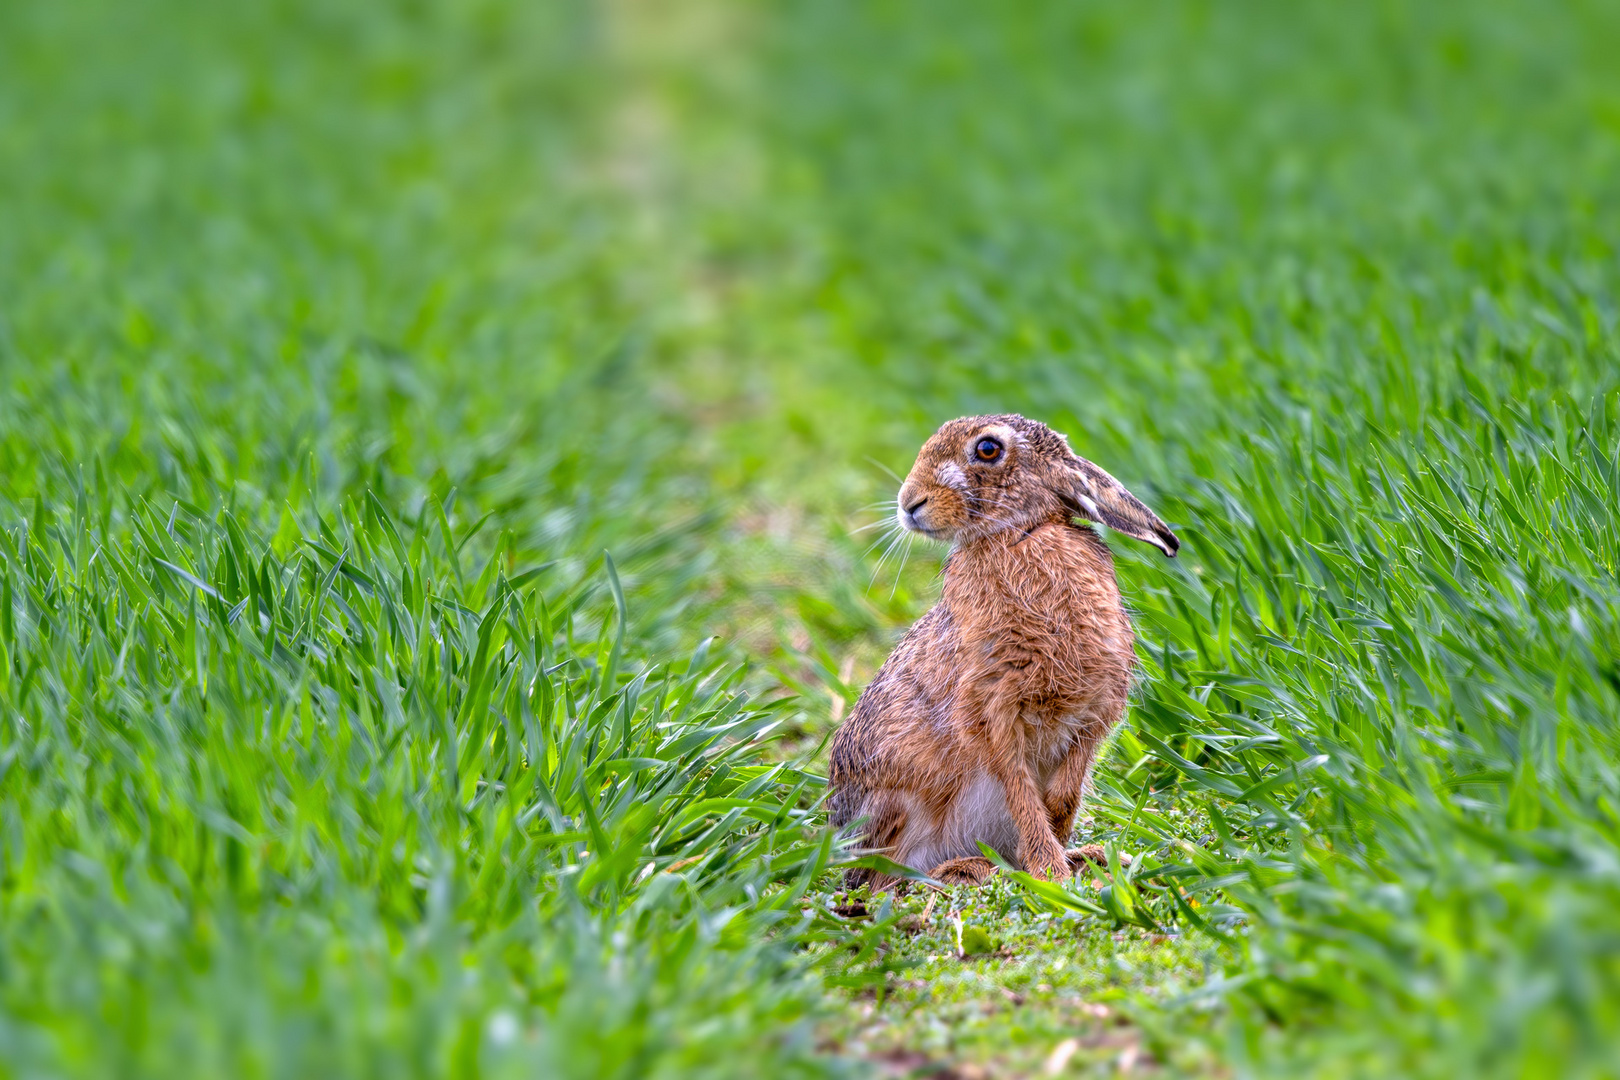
[{"x": 435, "y": 445}]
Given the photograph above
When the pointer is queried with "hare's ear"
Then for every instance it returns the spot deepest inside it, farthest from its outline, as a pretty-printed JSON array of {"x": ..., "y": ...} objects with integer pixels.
[{"x": 1096, "y": 496}]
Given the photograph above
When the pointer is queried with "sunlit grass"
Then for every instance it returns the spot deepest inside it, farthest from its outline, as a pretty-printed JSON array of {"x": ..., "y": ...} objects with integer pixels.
[{"x": 337, "y": 345}]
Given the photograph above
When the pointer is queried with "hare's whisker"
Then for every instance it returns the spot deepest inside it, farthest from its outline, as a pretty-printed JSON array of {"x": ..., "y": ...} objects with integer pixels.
[
  {"x": 894, "y": 530},
  {"x": 904, "y": 555},
  {"x": 885, "y": 468},
  {"x": 890, "y": 509},
  {"x": 887, "y": 551}
]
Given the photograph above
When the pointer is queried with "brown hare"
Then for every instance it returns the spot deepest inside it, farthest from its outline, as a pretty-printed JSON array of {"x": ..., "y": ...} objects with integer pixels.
[{"x": 983, "y": 723}]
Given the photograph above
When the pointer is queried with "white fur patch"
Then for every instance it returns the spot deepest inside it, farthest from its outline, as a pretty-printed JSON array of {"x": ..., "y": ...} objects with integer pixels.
[
  {"x": 950, "y": 474},
  {"x": 978, "y": 813},
  {"x": 981, "y": 813}
]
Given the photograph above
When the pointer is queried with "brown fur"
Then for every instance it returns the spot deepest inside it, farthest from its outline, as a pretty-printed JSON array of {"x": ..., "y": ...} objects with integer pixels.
[{"x": 984, "y": 722}]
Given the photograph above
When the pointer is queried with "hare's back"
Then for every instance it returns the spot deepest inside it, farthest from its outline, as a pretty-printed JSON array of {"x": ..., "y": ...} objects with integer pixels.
[{"x": 909, "y": 696}]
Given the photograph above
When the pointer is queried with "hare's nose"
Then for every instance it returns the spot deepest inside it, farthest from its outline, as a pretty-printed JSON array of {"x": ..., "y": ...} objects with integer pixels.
[{"x": 908, "y": 515}]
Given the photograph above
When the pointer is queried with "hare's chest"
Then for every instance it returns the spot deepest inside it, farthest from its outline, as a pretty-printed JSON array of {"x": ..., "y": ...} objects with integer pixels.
[
  {"x": 1078, "y": 670},
  {"x": 1059, "y": 623}
]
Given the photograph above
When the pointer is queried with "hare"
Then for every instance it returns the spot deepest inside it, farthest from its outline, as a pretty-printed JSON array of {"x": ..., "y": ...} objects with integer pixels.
[{"x": 983, "y": 723}]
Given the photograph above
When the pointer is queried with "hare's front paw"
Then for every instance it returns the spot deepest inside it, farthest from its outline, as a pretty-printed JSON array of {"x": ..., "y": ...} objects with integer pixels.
[
  {"x": 1048, "y": 862},
  {"x": 1085, "y": 858},
  {"x": 1092, "y": 857},
  {"x": 971, "y": 870}
]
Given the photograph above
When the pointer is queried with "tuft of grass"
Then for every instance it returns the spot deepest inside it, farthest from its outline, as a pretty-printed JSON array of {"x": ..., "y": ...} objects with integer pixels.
[{"x": 355, "y": 809}]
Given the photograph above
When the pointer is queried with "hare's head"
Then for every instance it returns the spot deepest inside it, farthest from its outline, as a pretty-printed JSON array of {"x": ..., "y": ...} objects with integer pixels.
[{"x": 982, "y": 474}]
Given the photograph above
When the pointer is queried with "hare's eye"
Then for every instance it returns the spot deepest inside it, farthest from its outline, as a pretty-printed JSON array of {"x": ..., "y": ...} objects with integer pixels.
[{"x": 987, "y": 450}]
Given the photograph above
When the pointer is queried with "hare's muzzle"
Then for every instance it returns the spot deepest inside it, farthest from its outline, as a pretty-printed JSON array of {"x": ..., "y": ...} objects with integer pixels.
[{"x": 913, "y": 512}]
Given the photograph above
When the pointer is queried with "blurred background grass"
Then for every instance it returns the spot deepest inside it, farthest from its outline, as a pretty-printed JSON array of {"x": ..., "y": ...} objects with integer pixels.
[{"x": 1333, "y": 288}]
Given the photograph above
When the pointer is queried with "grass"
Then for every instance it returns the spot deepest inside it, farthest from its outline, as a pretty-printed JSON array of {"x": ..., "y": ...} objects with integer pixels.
[{"x": 338, "y": 343}]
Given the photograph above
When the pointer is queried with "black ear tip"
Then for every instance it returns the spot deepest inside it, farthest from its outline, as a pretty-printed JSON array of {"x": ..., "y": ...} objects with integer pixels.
[{"x": 1171, "y": 544}]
